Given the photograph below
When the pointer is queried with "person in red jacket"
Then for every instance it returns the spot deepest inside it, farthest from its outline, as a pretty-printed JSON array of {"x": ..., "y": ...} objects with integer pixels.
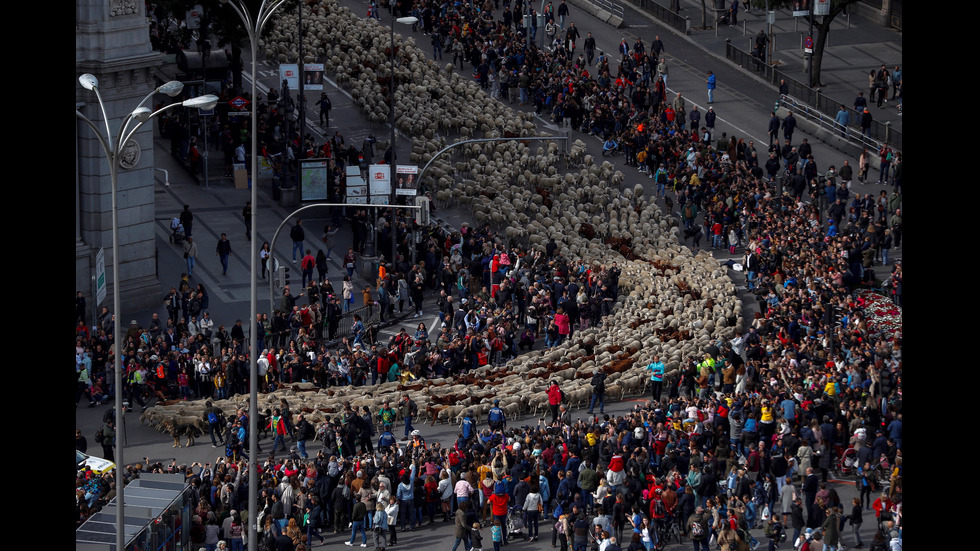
[
  {"x": 499, "y": 502},
  {"x": 277, "y": 424},
  {"x": 554, "y": 399}
]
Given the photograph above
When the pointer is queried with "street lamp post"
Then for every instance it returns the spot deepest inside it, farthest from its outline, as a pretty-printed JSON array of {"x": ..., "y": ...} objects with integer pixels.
[
  {"x": 114, "y": 149},
  {"x": 254, "y": 29},
  {"x": 391, "y": 179}
]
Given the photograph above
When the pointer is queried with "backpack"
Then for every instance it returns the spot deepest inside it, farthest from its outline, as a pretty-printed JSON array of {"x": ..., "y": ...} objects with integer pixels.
[
  {"x": 688, "y": 210},
  {"x": 99, "y": 437},
  {"x": 213, "y": 418},
  {"x": 696, "y": 529},
  {"x": 659, "y": 509}
]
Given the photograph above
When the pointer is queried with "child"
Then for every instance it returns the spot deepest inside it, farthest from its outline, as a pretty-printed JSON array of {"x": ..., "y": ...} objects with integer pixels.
[
  {"x": 497, "y": 535},
  {"x": 476, "y": 538}
]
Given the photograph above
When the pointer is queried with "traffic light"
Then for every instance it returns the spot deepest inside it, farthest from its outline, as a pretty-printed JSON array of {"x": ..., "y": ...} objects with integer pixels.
[{"x": 285, "y": 276}]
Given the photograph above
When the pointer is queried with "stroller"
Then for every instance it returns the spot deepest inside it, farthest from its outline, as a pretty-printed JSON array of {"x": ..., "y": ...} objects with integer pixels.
[
  {"x": 516, "y": 524},
  {"x": 177, "y": 235},
  {"x": 847, "y": 463}
]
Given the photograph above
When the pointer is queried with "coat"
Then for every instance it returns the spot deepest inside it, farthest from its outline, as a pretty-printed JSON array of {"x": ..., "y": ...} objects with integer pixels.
[{"x": 462, "y": 530}]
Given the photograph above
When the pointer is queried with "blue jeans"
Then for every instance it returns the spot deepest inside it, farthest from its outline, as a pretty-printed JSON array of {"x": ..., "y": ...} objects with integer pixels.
[
  {"x": 301, "y": 446},
  {"x": 466, "y": 543},
  {"x": 297, "y": 245},
  {"x": 355, "y": 526},
  {"x": 279, "y": 439},
  {"x": 716, "y": 242},
  {"x": 224, "y": 264},
  {"x": 408, "y": 426},
  {"x": 190, "y": 265},
  {"x": 406, "y": 510},
  {"x": 711, "y": 95},
  {"x": 597, "y": 398}
]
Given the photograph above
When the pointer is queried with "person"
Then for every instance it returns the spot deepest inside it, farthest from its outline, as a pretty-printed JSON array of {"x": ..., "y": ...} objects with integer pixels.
[
  {"x": 656, "y": 368},
  {"x": 860, "y": 102},
  {"x": 589, "y": 46},
  {"x": 831, "y": 530},
  {"x": 476, "y": 538},
  {"x": 358, "y": 515},
  {"x": 264, "y": 255},
  {"x": 409, "y": 409},
  {"x": 598, "y": 391},
  {"x": 698, "y": 525},
  {"x": 843, "y": 119},
  {"x": 304, "y": 431},
  {"x": 108, "y": 439},
  {"x": 789, "y": 126},
  {"x": 380, "y": 527},
  {"x": 214, "y": 418},
  {"x": 774, "y": 124},
  {"x": 247, "y": 217},
  {"x": 190, "y": 255},
  {"x": 896, "y": 82},
  {"x": 325, "y": 107},
  {"x": 462, "y": 528},
  {"x": 187, "y": 220},
  {"x": 307, "y": 264},
  {"x": 712, "y": 81},
  {"x": 866, "y": 120},
  {"x": 322, "y": 266},
  {"x": 555, "y": 396},
  {"x": 223, "y": 251},
  {"x": 278, "y": 428},
  {"x": 885, "y": 160},
  {"x": 298, "y": 235}
]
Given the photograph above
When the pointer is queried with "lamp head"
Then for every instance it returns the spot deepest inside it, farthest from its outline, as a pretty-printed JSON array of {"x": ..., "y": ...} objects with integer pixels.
[
  {"x": 88, "y": 81},
  {"x": 205, "y": 102},
  {"x": 142, "y": 114},
  {"x": 172, "y": 88}
]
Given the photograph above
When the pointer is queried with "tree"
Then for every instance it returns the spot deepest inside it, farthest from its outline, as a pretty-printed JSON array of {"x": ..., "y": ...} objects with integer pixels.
[{"x": 820, "y": 23}]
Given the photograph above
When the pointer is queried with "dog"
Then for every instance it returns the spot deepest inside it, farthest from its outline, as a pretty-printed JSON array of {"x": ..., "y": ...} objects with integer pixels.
[{"x": 182, "y": 426}]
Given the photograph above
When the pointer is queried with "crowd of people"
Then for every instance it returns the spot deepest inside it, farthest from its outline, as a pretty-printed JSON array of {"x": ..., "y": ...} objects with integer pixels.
[{"x": 744, "y": 436}]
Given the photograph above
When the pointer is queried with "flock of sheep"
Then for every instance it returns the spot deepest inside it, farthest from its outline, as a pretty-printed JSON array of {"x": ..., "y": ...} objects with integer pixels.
[{"x": 672, "y": 302}]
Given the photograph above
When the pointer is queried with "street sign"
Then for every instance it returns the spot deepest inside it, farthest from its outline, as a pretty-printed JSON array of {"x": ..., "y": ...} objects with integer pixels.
[
  {"x": 239, "y": 103},
  {"x": 808, "y": 45},
  {"x": 100, "y": 285}
]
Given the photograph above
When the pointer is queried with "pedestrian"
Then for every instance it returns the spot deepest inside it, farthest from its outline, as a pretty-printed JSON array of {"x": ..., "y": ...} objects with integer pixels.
[
  {"x": 108, "y": 438},
  {"x": 190, "y": 255},
  {"x": 709, "y": 120},
  {"x": 842, "y": 119},
  {"x": 247, "y": 216},
  {"x": 264, "y": 255},
  {"x": 298, "y": 235},
  {"x": 598, "y": 391},
  {"x": 774, "y": 124},
  {"x": 325, "y": 107},
  {"x": 321, "y": 266},
  {"x": 306, "y": 265},
  {"x": 187, "y": 220},
  {"x": 223, "y": 251},
  {"x": 866, "y": 120},
  {"x": 712, "y": 82},
  {"x": 855, "y": 519},
  {"x": 789, "y": 126}
]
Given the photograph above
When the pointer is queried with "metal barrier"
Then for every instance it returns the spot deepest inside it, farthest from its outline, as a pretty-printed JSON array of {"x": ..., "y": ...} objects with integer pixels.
[
  {"x": 662, "y": 13},
  {"x": 611, "y": 7},
  {"x": 813, "y": 103}
]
